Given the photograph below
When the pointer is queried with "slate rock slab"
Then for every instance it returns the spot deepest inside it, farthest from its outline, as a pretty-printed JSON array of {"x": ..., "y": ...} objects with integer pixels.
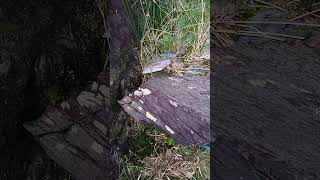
[
  {"x": 177, "y": 105},
  {"x": 76, "y": 134}
]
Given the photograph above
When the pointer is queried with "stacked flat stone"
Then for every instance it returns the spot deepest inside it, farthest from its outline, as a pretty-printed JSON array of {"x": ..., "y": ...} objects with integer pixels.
[{"x": 79, "y": 133}]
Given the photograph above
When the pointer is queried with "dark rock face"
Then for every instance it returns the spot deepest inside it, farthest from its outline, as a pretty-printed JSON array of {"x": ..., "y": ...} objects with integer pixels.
[
  {"x": 51, "y": 49},
  {"x": 79, "y": 133},
  {"x": 266, "y": 101},
  {"x": 125, "y": 68}
]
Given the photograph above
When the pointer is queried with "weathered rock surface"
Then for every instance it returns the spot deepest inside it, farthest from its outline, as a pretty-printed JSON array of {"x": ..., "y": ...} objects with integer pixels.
[
  {"x": 177, "y": 105},
  {"x": 265, "y": 112},
  {"x": 77, "y": 134}
]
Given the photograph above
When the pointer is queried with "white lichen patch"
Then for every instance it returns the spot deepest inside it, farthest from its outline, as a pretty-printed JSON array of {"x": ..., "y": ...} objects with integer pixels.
[
  {"x": 173, "y": 103},
  {"x": 140, "y": 108},
  {"x": 191, "y": 87},
  {"x": 192, "y": 132},
  {"x": 141, "y": 101},
  {"x": 97, "y": 147},
  {"x": 169, "y": 129},
  {"x": 151, "y": 117},
  {"x": 126, "y": 100},
  {"x": 138, "y": 93},
  {"x": 145, "y": 92}
]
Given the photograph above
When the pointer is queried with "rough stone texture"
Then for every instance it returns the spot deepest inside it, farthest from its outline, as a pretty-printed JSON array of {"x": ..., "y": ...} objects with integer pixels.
[
  {"x": 177, "y": 105},
  {"x": 38, "y": 45},
  {"x": 125, "y": 69},
  {"x": 73, "y": 138},
  {"x": 84, "y": 132},
  {"x": 266, "y": 107}
]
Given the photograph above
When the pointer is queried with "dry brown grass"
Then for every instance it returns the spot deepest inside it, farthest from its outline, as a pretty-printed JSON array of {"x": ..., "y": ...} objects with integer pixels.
[
  {"x": 186, "y": 25},
  {"x": 225, "y": 25},
  {"x": 170, "y": 164},
  {"x": 218, "y": 34},
  {"x": 167, "y": 160}
]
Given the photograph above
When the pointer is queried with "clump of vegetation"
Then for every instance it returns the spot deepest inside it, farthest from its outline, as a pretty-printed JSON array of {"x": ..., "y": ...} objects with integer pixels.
[
  {"x": 227, "y": 24},
  {"x": 168, "y": 26},
  {"x": 154, "y": 155}
]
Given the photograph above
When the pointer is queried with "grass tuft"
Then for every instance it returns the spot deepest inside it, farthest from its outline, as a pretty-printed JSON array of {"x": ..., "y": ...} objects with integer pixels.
[
  {"x": 168, "y": 26},
  {"x": 154, "y": 155}
]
